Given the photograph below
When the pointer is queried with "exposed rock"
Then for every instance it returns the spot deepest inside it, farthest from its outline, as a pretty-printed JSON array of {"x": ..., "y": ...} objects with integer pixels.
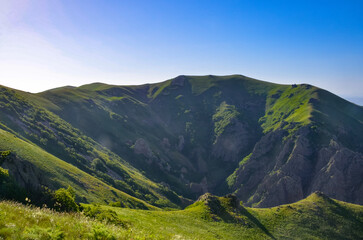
[
  {"x": 113, "y": 174},
  {"x": 234, "y": 140},
  {"x": 285, "y": 172},
  {"x": 26, "y": 174},
  {"x": 201, "y": 187},
  {"x": 339, "y": 174},
  {"x": 181, "y": 143},
  {"x": 165, "y": 143},
  {"x": 142, "y": 147}
]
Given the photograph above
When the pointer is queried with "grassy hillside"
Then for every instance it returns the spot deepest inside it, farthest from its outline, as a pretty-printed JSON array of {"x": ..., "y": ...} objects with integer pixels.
[
  {"x": 286, "y": 105},
  {"x": 30, "y": 122},
  {"x": 33, "y": 167},
  {"x": 317, "y": 217}
]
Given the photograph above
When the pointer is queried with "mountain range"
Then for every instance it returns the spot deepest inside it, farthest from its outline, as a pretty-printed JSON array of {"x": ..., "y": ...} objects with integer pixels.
[{"x": 163, "y": 145}]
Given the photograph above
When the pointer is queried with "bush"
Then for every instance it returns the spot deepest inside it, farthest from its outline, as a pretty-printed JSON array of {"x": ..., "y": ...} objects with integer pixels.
[
  {"x": 4, "y": 175},
  {"x": 65, "y": 200},
  {"x": 107, "y": 215},
  {"x": 98, "y": 165}
]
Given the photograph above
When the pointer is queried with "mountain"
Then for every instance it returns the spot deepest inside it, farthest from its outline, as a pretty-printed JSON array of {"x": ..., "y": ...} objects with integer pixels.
[
  {"x": 211, "y": 217},
  {"x": 168, "y": 142}
]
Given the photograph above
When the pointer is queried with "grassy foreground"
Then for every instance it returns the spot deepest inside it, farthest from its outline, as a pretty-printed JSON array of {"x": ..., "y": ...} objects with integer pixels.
[{"x": 316, "y": 217}]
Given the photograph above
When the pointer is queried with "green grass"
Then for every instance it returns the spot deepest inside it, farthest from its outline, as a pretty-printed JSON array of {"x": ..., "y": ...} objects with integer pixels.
[
  {"x": 231, "y": 180},
  {"x": 158, "y": 88},
  {"x": 316, "y": 217},
  {"x": 288, "y": 107},
  {"x": 36, "y": 223},
  {"x": 57, "y": 173},
  {"x": 223, "y": 117}
]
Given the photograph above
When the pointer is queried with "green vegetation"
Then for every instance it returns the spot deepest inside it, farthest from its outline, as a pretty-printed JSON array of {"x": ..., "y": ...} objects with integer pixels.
[
  {"x": 65, "y": 200},
  {"x": 47, "y": 130},
  {"x": 288, "y": 107},
  {"x": 9, "y": 189},
  {"x": 231, "y": 180},
  {"x": 223, "y": 117},
  {"x": 156, "y": 89},
  {"x": 317, "y": 217},
  {"x": 57, "y": 173}
]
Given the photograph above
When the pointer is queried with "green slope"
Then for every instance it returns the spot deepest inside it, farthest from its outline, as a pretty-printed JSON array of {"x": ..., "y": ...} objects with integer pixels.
[
  {"x": 54, "y": 173},
  {"x": 23, "y": 115},
  {"x": 317, "y": 217}
]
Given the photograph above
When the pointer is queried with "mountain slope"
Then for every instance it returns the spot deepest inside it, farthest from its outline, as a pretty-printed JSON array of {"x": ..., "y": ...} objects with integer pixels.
[
  {"x": 270, "y": 144},
  {"x": 33, "y": 168},
  {"x": 325, "y": 154},
  {"x": 223, "y": 134},
  {"x": 34, "y": 124}
]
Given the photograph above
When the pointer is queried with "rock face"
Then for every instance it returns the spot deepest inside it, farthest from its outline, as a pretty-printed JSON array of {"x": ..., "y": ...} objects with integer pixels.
[
  {"x": 281, "y": 171},
  {"x": 339, "y": 173},
  {"x": 234, "y": 140},
  {"x": 142, "y": 147},
  {"x": 26, "y": 175}
]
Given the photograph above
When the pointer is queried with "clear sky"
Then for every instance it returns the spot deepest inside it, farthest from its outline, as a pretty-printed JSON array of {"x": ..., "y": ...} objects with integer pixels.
[{"x": 49, "y": 43}]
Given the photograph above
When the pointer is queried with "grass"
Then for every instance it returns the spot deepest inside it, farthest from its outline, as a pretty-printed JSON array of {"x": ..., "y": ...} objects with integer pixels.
[
  {"x": 57, "y": 173},
  {"x": 223, "y": 117},
  {"x": 316, "y": 217},
  {"x": 288, "y": 107},
  {"x": 37, "y": 223}
]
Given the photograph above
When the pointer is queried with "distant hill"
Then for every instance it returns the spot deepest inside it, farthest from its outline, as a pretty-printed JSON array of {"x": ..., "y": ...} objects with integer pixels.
[{"x": 162, "y": 144}]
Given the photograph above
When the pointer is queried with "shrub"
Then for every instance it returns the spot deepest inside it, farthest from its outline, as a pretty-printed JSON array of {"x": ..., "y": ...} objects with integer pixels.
[
  {"x": 108, "y": 216},
  {"x": 4, "y": 175},
  {"x": 65, "y": 200},
  {"x": 98, "y": 165}
]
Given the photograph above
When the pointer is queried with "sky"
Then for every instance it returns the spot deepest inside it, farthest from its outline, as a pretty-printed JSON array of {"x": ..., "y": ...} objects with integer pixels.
[{"x": 51, "y": 43}]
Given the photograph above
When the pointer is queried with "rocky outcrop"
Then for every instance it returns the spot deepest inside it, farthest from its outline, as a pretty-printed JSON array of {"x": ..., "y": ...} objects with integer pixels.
[
  {"x": 25, "y": 174},
  {"x": 339, "y": 173},
  {"x": 234, "y": 140},
  {"x": 280, "y": 172},
  {"x": 142, "y": 147},
  {"x": 201, "y": 187}
]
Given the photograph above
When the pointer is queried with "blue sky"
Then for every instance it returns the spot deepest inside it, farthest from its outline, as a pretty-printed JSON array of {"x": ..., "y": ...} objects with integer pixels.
[{"x": 46, "y": 44}]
